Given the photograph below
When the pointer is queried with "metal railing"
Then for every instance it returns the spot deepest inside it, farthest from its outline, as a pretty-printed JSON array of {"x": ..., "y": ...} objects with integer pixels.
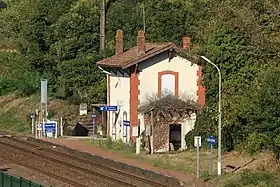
[{"x": 10, "y": 181}]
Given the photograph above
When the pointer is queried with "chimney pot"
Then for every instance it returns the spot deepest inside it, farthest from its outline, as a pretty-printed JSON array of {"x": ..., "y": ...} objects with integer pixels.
[
  {"x": 186, "y": 42},
  {"x": 119, "y": 42},
  {"x": 141, "y": 46}
]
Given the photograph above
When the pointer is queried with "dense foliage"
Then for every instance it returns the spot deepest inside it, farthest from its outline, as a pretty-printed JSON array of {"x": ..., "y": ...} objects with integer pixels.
[{"x": 60, "y": 41}]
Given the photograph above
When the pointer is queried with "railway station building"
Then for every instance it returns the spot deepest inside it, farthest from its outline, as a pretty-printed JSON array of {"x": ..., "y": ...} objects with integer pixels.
[{"x": 147, "y": 69}]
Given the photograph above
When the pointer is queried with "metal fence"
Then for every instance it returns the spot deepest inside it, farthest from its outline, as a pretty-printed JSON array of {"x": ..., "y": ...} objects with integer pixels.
[{"x": 10, "y": 181}]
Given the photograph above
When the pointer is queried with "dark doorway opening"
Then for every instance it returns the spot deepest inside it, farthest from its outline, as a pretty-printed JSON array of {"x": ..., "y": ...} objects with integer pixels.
[
  {"x": 80, "y": 130},
  {"x": 175, "y": 135}
]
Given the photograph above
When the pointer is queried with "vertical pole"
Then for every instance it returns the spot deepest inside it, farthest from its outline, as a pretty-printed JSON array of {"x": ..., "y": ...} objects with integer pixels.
[
  {"x": 43, "y": 127},
  {"x": 93, "y": 128},
  {"x": 126, "y": 134},
  {"x": 32, "y": 126},
  {"x": 220, "y": 117},
  {"x": 152, "y": 132},
  {"x": 36, "y": 130},
  {"x": 211, "y": 158},
  {"x": 11, "y": 181},
  {"x": 220, "y": 126},
  {"x": 56, "y": 129},
  {"x": 61, "y": 127},
  {"x": 20, "y": 181},
  {"x": 102, "y": 119},
  {"x": 102, "y": 26},
  {"x": 2, "y": 179},
  {"x": 144, "y": 19},
  {"x": 197, "y": 158},
  {"x": 138, "y": 138}
]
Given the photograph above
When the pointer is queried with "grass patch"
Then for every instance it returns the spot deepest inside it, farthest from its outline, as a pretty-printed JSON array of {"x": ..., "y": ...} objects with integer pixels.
[
  {"x": 14, "y": 114},
  {"x": 184, "y": 161},
  {"x": 118, "y": 146},
  {"x": 249, "y": 179}
]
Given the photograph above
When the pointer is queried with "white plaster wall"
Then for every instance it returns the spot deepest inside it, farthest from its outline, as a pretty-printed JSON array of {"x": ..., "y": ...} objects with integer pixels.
[
  {"x": 149, "y": 75},
  {"x": 187, "y": 82},
  {"x": 119, "y": 96},
  {"x": 186, "y": 127}
]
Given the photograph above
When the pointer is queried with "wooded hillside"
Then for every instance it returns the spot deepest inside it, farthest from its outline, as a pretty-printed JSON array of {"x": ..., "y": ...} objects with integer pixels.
[{"x": 59, "y": 40}]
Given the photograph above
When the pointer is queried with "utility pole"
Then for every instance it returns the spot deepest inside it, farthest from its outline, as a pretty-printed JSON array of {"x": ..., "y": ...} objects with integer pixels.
[
  {"x": 220, "y": 116},
  {"x": 102, "y": 26}
]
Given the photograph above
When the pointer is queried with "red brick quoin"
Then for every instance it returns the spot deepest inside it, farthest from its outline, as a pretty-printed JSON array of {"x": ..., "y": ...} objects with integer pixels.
[
  {"x": 201, "y": 89},
  {"x": 134, "y": 99}
]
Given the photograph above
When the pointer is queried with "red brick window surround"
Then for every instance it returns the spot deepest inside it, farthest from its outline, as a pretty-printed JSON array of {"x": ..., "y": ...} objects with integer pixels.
[{"x": 176, "y": 84}]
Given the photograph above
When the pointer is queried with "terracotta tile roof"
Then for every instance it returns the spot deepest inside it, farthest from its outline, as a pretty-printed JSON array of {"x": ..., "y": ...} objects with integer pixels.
[{"x": 130, "y": 57}]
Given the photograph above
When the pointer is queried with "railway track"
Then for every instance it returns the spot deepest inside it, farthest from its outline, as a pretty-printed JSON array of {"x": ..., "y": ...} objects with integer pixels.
[
  {"x": 62, "y": 171},
  {"x": 85, "y": 165}
]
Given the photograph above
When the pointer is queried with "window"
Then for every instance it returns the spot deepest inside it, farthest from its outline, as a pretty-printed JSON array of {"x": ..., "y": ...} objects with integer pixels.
[{"x": 168, "y": 82}]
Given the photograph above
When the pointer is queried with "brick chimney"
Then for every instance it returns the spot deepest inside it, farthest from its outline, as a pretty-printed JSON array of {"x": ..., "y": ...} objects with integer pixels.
[
  {"x": 141, "y": 46},
  {"x": 186, "y": 42},
  {"x": 119, "y": 42}
]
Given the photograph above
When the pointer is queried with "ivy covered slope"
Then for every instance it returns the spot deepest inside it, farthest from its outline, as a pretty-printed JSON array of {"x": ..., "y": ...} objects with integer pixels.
[{"x": 60, "y": 41}]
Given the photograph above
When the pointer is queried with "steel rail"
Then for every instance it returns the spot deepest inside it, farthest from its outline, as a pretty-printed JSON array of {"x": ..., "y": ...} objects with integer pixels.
[
  {"x": 87, "y": 161},
  {"x": 96, "y": 174},
  {"x": 57, "y": 177}
]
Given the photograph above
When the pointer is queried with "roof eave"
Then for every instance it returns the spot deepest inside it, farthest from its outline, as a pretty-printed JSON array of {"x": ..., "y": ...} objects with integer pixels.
[
  {"x": 108, "y": 65},
  {"x": 151, "y": 55}
]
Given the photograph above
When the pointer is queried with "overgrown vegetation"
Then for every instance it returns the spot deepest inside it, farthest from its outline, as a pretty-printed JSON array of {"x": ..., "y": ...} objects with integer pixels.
[
  {"x": 167, "y": 109},
  {"x": 248, "y": 178},
  {"x": 119, "y": 146},
  {"x": 60, "y": 41}
]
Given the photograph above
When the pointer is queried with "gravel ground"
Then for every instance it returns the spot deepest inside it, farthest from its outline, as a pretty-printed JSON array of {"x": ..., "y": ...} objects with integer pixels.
[
  {"x": 52, "y": 167},
  {"x": 110, "y": 163},
  {"x": 86, "y": 164},
  {"x": 165, "y": 176},
  {"x": 28, "y": 174}
]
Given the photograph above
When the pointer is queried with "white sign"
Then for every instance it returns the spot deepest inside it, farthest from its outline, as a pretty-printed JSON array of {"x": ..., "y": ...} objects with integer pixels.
[
  {"x": 39, "y": 126},
  {"x": 199, "y": 141},
  {"x": 83, "y": 109},
  {"x": 44, "y": 91},
  {"x": 135, "y": 131}
]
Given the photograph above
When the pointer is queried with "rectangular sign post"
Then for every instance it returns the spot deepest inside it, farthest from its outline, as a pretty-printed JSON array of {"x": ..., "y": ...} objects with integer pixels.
[
  {"x": 197, "y": 144},
  {"x": 108, "y": 108},
  {"x": 212, "y": 141},
  {"x": 126, "y": 123},
  {"x": 93, "y": 125},
  {"x": 38, "y": 130},
  {"x": 50, "y": 129}
]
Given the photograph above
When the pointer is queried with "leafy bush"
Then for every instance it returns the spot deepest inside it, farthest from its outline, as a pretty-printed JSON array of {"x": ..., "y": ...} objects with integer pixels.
[
  {"x": 29, "y": 83},
  {"x": 257, "y": 142},
  {"x": 248, "y": 178},
  {"x": 6, "y": 85}
]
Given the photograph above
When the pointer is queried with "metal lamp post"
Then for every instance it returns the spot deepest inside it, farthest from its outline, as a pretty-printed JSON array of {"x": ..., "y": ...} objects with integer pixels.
[
  {"x": 32, "y": 116},
  {"x": 220, "y": 117}
]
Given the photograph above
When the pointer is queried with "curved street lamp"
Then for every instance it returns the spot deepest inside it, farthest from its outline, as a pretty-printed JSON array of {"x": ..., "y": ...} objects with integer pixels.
[{"x": 220, "y": 117}]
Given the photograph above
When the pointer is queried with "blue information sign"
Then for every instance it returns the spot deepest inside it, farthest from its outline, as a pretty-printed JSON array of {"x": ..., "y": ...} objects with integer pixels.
[
  {"x": 50, "y": 127},
  {"x": 126, "y": 123},
  {"x": 103, "y": 108},
  {"x": 112, "y": 108},
  {"x": 108, "y": 108},
  {"x": 211, "y": 140},
  {"x": 93, "y": 115}
]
